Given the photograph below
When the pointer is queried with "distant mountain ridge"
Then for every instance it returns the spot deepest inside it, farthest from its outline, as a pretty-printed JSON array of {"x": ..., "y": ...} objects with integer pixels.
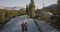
[
  {"x": 49, "y": 8},
  {"x": 10, "y": 8},
  {"x": 53, "y": 6}
]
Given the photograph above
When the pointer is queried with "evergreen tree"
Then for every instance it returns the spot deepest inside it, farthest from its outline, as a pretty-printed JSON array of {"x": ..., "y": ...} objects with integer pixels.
[
  {"x": 32, "y": 9},
  {"x": 27, "y": 10},
  {"x": 58, "y": 7}
]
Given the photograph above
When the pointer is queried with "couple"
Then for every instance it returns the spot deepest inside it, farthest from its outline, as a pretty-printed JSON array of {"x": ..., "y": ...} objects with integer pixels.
[{"x": 24, "y": 26}]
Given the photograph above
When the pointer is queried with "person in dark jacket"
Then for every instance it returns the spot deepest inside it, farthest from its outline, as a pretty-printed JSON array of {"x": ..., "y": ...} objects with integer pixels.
[
  {"x": 26, "y": 27},
  {"x": 22, "y": 25}
]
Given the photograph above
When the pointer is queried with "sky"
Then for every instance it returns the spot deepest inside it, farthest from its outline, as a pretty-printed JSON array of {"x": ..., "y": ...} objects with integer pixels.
[{"x": 23, "y": 3}]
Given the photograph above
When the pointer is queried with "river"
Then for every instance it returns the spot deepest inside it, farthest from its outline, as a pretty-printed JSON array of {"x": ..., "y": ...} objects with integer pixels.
[{"x": 14, "y": 25}]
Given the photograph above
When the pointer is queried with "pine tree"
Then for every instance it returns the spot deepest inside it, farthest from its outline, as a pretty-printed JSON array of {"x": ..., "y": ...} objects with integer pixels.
[
  {"x": 27, "y": 10},
  {"x": 58, "y": 7},
  {"x": 32, "y": 9}
]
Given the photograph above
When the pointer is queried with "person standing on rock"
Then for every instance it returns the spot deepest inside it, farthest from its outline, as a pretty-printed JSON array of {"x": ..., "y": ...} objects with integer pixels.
[{"x": 22, "y": 26}]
